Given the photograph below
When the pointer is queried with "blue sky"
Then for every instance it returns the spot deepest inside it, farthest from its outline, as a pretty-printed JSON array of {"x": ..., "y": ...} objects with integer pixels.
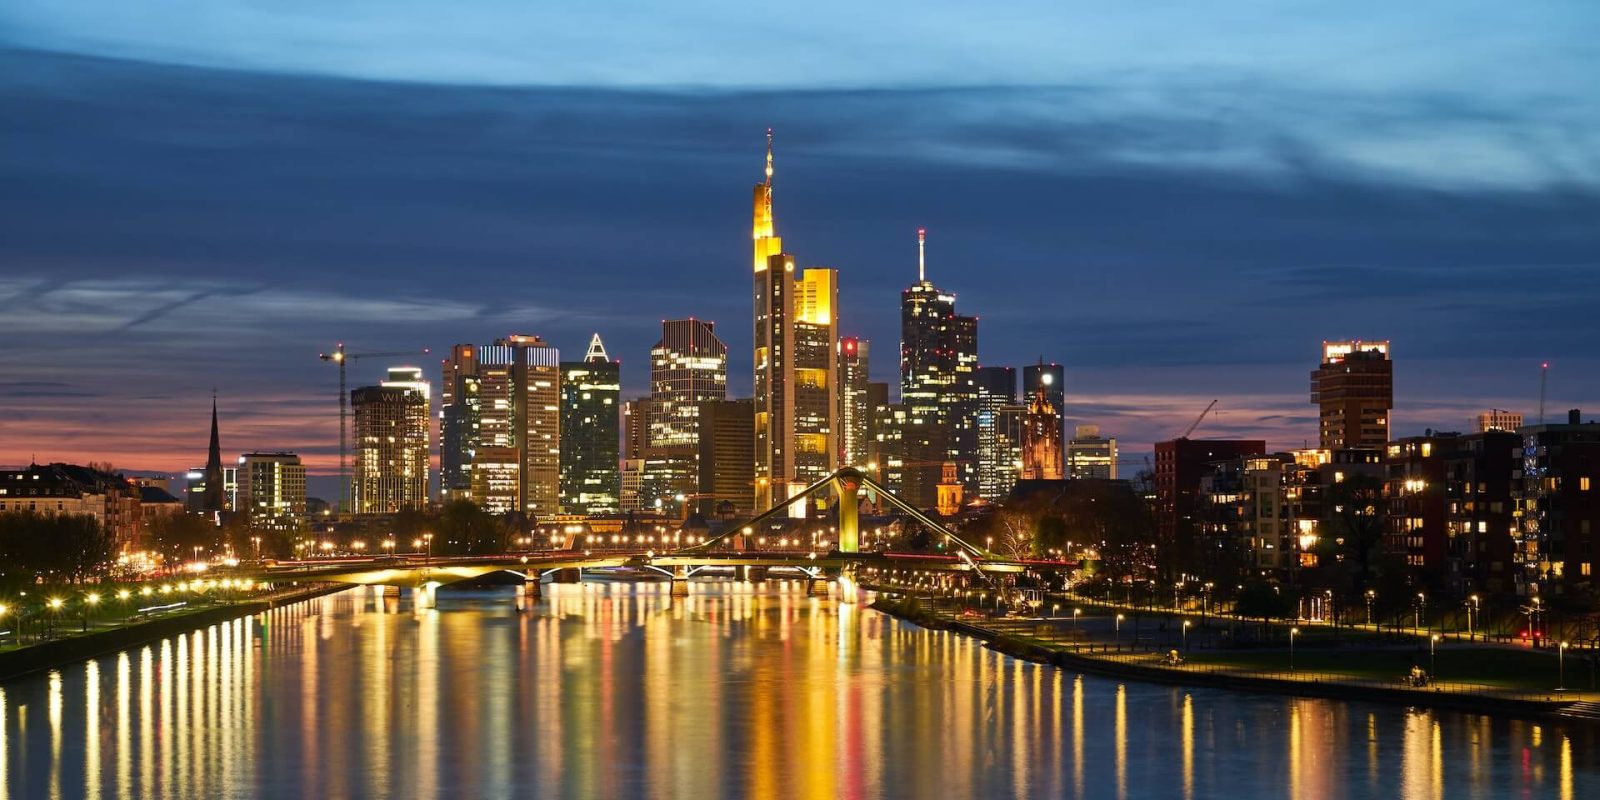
[{"x": 1178, "y": 201}]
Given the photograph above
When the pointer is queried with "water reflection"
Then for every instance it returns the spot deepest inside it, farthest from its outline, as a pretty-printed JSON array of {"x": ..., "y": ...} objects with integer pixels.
[{"x": 618, "y": 690}]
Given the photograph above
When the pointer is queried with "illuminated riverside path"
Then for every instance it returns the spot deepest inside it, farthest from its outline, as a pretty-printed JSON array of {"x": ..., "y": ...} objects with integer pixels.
[{"x": 618, "y": 689}]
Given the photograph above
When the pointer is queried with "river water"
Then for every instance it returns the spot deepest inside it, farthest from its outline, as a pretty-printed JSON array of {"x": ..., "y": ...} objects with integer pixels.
[{"x": 616, "y": 690}]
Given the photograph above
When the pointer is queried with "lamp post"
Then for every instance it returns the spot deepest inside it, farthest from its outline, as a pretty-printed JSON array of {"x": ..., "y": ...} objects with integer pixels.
[
  {"x": 1370, "y": 595},
  {"x": 1561, "y": 667},
  {"x": 256, "y": 540},
  {"x": 1076, "y": 612},
  {"x": 427, "y": 540},
  {"x": 1422, "y": 602},
  {"x": 1433, "y": 645},
  {"x": 1472, "y": 611},
  {"x": 1186, "y": 636},
  {"x": 1119, "y": 632},
  {"x": 1292, "y": 633}
]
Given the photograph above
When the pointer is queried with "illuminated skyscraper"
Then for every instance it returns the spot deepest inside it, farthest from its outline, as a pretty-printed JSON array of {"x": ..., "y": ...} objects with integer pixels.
[
  {"x": 796, "y": 367},
  {"x": 591, "y": 392},
  {"x": 938, "y": 354},
  {"x": 1354, "y": 392},
  {"x": 503, "y": 410},
  {"x": 998, "y": 447},
  {"x": 392, "y": 441},
  {"x": 855, "y": 409},
  {"x": 688, "y": 366}
]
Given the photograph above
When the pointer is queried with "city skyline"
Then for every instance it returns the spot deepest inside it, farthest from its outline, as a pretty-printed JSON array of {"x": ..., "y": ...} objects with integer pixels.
[{"x": 223, "y": 277}]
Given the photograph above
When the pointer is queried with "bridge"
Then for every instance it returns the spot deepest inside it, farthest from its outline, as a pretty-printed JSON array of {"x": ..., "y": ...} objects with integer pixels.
[{"x": 743, "y": 548}]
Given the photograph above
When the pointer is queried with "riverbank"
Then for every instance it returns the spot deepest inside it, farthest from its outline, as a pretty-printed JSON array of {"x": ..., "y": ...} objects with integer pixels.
[
  {"x": 79, "y": 647},
  {"x": 1034, "y": 640}
]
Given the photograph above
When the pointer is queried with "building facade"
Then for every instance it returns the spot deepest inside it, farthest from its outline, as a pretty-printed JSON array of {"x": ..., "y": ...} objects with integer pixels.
[
  {"x": 1498, "y": 420},
  {"x": 1559, "y": 497},
  {"x": 73, "y": 490},
  {"x": 272, "y": 491},
  {"x": 1180, "y": 466},
  {"x": 727, "y": 459},
  {"x": 1353, "y": 390},
  {"x": 1090, "y": 456},
  {"x": 591, "y": 410}
]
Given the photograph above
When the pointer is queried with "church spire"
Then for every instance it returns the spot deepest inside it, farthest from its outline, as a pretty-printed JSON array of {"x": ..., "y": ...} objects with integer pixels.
[
  {"x": 214, "y": 499},
  {"x": 769, "y": 158}
]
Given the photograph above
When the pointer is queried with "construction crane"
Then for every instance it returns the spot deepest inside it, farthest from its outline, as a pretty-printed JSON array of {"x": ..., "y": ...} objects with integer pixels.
[
  {"x": 340, "y": 356},
  {"x": 1198, "y": 420}
]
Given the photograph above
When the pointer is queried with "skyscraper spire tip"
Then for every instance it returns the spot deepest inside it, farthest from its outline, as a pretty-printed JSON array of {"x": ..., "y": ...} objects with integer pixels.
[
  {"x": 922, "y": 254},
  {"x": 769, "y": 157}
]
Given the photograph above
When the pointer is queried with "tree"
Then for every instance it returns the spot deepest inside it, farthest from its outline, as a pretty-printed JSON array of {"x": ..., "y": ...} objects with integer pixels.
[
  {"x": 466, "y": 529},
  {"x": 52, "y": 548},
  {"x": 175, "y": 536},
  {"x": 1357, "y": 522}
]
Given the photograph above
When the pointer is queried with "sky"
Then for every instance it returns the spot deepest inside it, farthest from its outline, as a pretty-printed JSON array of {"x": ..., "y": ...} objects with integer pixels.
[{"x": 1178, "y": 201}]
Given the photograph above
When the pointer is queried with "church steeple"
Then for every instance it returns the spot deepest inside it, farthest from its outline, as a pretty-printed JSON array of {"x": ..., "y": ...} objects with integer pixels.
[{"x": 215, "y": 500}]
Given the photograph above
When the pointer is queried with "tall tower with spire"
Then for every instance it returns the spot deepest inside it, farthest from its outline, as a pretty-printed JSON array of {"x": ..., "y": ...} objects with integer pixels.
[
  {"x": 796, "y": 366},
  {"x": 938, "y": 359},
  {"x": 591, "y": 414},
  {"x": 215, "y": 497}
]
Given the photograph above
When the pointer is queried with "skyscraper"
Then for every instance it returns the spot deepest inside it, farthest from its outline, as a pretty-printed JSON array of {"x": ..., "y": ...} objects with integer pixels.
[
  {"x": 796, "y": 367},
  {"x": 392, "y": 440},
  {"x": 503, "y": 411},
  {"x": 855, "y": 410},
  {"x": 1354, "y": 391},
  {"x": 727, "y": 457},
  {"x": 938, "y": 354},
  {"x": 591, "y": 392},
  {"x": 997, "y": 446},
  {"x": 688, "y": 366}
]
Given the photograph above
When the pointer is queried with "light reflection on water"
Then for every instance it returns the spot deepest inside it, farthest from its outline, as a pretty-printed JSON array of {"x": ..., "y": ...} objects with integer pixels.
[{"x": 617, "y": 690}]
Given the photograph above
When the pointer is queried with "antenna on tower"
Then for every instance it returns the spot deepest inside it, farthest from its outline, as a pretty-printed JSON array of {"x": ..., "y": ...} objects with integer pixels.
[
  {"x": 769, "y": 158},
  {"x": 922, "y": 254},
  {"x": 1544, "y": 374}
]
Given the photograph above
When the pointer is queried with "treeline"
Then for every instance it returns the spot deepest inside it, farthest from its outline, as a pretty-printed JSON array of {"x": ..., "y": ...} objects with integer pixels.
[{"x": 53, "y": 548}]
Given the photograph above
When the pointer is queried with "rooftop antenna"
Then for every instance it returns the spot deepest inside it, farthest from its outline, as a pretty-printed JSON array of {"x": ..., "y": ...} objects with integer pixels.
[
  {"x": 922, "y": 255},
  {"x": 1544, "y": 374}
]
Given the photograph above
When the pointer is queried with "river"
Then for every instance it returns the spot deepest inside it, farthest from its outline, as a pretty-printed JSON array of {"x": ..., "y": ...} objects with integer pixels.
[{"x": 616, "y": 690}]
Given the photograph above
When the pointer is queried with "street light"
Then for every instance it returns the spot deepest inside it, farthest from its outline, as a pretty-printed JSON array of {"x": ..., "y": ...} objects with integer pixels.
[
  {"x": 1186, "y": 636},
  {"x": 1119, "y": 631},
  {"x": 1292, "y": 633},
  {"x": 1433, "y": 644},
  {"x": 1561, "y": 666},
  {"x": 1076, "y": 612},
  {"x": 1422, "y": 602},
  {"x": 1472, "y": 611},
  {"x": 1370, "y": 595}
]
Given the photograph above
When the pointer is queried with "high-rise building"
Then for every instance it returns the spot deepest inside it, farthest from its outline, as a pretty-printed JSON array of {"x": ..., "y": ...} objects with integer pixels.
[
  {"x": 1498, "y": 420},
  {"x": 796, "y": 366},
  {"x": 938, "y": 355},
  {"x": 460, "y": 407},
  {"x": 998, "y": 446},
  {"x": 727, "y": 458},
  {"x": 591, "y": 392},
  {"x": 688, "y": 366},
  {"x": 1089, "y": 456},
  {"x": 855, "y": 410},
  {"x": 1354, "y": 391},
  {"x": 272, "y": 491},
  {"x": 504, "y": 397},
  {"x": 392, "y": 440}
]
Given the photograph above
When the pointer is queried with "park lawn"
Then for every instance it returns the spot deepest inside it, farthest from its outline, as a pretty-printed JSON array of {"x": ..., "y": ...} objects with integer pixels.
[{"x": 1503, "y": 668}]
